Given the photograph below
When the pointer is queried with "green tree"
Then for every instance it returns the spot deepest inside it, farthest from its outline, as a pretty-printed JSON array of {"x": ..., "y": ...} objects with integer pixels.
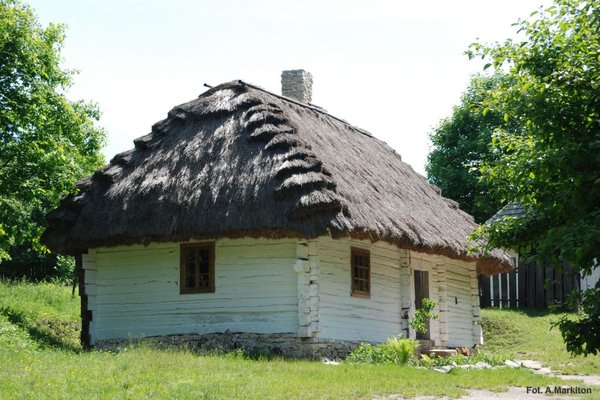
[
  {"x": 461, "y": 143},
  {"x": 47, "y": 142},
  {"x": 552, "y": 164}
]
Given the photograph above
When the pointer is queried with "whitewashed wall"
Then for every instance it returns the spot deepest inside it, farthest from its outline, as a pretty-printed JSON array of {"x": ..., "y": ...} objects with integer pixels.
[
  {"x": 462, "y": 302},
  {"x": 276, "y": 286},
  {"x": 452, "y": 285},
  {"x": 133, "y": 291},
  {"x": 425, "y": 262},
  {"x": 342, "y": 316}
]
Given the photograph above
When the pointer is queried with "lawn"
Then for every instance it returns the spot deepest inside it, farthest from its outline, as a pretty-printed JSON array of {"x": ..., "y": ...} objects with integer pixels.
[
  {"x": 526, "y": 334},
  {"x": 40, "y": 358}
]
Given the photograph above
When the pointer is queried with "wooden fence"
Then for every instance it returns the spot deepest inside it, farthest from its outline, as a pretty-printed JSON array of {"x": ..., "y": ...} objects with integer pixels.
[{"x": 531, "y": 285}]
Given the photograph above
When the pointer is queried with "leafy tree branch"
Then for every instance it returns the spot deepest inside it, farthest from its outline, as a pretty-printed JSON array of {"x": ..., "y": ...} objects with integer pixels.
[{"x": 47, "y": 142}]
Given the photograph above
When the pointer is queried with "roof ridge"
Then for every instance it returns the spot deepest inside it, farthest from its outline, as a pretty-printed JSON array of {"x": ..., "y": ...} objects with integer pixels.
[{"x": 310, "y": 107}]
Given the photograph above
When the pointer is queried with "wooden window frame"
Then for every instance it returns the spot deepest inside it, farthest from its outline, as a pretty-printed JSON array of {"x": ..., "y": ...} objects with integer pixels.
[
  {"x": 211, "y": 268},
  {"x": 360, "y": 252}
]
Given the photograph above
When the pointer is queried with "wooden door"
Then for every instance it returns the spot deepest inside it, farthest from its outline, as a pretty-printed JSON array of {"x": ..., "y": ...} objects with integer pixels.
[{"x": 421, "y": 292}]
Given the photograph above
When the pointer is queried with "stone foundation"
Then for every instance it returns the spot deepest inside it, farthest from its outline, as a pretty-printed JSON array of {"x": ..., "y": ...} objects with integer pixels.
[{"x": 277, "y": 344}]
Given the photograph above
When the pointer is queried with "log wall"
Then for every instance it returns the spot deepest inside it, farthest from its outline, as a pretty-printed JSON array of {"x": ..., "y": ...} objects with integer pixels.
[
  {"x": 133, "y": 291},
  {"x": 345, "y": 317},
  {"x": 300, "y": 287}
]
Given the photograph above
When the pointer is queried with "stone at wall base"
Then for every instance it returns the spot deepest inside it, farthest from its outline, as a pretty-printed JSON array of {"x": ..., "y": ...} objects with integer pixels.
[
  {"x": 441, "y": 352},
  {"x": 269, "y": 344}
]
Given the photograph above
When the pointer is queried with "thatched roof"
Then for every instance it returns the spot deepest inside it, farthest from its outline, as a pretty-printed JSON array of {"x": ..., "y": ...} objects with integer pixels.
[
  {"x": 511, "y": 210},
  {"x": 240, "y": 161}
]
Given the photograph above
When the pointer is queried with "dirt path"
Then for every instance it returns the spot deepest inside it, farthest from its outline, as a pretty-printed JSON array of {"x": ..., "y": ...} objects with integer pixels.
[
  {"x": 536, "y": 367},
  {"x": 592, "y": 380},
  {"x": 513, "y": 393}
]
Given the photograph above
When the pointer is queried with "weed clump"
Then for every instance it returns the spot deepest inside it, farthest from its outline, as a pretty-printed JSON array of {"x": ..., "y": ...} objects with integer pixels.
[
  {"x": 396, "y": 350},
  {"x": 401, "y": 351}
]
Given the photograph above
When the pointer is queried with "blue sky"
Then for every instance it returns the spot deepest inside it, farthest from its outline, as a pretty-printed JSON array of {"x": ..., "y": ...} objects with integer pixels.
[{"x": 394, "y": 68}]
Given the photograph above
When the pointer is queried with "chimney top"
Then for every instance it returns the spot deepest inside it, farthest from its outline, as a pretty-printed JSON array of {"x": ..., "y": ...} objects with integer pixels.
[{"x": 297, "y": 84}]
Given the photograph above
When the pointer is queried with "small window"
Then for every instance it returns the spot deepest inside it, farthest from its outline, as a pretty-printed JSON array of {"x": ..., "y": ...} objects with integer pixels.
[
  {"x": 197, "y": 268},
  {"x": 360, "y": 265}
]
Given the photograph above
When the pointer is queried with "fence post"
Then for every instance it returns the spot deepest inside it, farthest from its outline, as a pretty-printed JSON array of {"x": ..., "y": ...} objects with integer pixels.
[
  {"x": 484, "y": 290},
  {"x": 549, "y": 285},
  {"x": 496, "y": 289},
  {"x": 512, "y": 288},
  {"x": 531, "y": 285}
]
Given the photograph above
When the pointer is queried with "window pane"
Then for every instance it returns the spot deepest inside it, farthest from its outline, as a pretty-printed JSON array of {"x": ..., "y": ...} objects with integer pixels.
[
  {"x": 197, "y": 268},
  {"x": 190, "y": 269},
  {"x": 189, "y": 257},
  {"x": 203, "y": 259},
  {"x": 204, "y": 280},
  {"x": 360, "y": 272}
]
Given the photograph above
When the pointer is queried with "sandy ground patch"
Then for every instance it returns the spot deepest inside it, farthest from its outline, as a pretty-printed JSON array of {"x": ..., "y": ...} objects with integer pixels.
[{"x": 513, "y": 393}]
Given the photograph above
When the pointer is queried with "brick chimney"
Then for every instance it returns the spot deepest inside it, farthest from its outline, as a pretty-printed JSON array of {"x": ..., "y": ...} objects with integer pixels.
[{"x": 297, "y": 84}]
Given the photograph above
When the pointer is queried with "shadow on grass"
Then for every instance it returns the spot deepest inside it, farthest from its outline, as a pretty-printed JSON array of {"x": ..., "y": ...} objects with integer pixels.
[
  {"x": 535, "y": 313},
  {"x": 45, "y": 331}
]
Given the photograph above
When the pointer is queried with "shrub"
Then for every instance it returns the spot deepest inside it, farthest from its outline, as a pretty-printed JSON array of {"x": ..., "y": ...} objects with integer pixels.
[
  {"x": 422, "y": 315},
  {"x": 37, "y": 266},
  {"x": 395, "y": 351}
]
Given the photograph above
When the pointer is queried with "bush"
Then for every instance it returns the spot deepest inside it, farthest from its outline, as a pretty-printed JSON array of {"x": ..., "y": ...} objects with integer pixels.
[
  {"x": 394, "y": 351},
  {"x": 399, "y": 351},
  {"x": 36, "y": 266},
  {"x": 422, "y": 315}
]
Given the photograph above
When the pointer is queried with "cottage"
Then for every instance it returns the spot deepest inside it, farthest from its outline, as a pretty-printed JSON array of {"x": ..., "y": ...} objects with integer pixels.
[{"x": 266, "y": 217}]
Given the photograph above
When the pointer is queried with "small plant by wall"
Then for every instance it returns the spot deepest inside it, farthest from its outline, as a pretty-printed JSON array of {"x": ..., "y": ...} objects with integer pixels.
[
  {"x": 422, "y": 315},
  {"x": 396, "y": 350}
]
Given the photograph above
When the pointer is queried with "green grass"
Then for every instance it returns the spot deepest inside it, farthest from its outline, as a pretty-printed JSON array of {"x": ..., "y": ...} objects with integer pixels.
[
  {"x": 39, "y": 358},
  {"x": 146, "y": 373},
  {"x": 46, "y": 314},
  {"x": 526, "y": 334}
]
